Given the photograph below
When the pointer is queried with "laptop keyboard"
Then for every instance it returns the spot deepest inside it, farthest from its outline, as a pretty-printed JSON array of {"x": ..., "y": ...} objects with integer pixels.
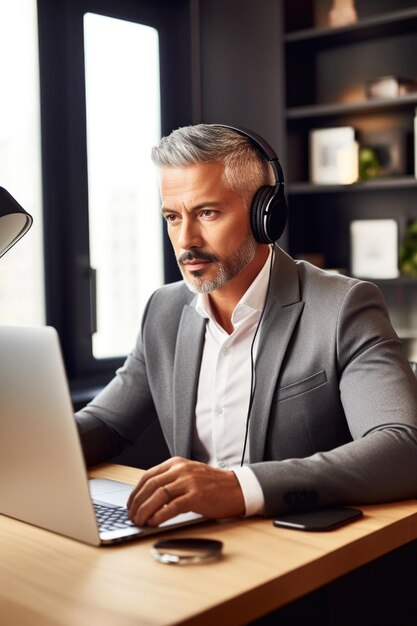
[{"x": 112, "y": 517}]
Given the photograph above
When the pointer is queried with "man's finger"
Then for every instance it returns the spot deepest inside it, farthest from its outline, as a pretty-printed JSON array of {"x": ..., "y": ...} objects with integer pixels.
[
  {"x": 143, "y": 492},
  {"x": 175, "y": 507},
  {"x": 149, "y": 474},
  {"x": 162, "y": 498}
]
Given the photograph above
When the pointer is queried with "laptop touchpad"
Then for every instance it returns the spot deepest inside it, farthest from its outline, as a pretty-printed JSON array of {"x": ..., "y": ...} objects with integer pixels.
[{"x": 111, "y": 491}]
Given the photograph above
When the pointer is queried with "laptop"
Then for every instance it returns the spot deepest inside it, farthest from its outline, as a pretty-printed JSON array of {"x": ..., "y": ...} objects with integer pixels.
[{"x": 43, "y": 477}]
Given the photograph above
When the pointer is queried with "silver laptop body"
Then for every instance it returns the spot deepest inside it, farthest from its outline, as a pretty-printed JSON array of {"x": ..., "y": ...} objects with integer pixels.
[{"x": 43, "y": 477}]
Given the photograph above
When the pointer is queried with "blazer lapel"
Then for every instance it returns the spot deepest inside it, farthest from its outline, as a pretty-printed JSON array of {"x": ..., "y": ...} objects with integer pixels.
[
  {"x": 282, "y": 312},
  {"x": 188, "y": 353}
]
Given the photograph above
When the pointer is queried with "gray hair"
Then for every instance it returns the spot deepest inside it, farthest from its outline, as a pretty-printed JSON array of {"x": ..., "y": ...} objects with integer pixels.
[{"x": 245, "y": 169}]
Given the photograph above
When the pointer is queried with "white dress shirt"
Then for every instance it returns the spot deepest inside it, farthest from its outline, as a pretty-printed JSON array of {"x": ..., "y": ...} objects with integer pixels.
[{"x": 224, "y": 388}]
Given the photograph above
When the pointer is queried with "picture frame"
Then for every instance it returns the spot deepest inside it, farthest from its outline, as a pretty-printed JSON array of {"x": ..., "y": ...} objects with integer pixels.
[
  {"x": 333, "y": 156},
  {"x": 374, "y": 248}
]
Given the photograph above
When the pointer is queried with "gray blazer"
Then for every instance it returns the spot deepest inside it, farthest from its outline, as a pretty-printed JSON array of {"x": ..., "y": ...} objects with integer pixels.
[{"x": 334, "y": 414}]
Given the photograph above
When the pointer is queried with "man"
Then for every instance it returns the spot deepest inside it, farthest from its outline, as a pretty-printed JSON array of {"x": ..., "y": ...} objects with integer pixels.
[{"x": 307, "y": 362}]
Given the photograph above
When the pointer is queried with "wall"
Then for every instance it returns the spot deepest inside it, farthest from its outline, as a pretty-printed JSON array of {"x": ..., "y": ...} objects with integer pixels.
[{"x": 239, "y": 76}]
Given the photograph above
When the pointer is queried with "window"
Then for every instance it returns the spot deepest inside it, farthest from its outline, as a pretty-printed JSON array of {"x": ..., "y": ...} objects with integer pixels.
[
  {"x": 123, "y": 123},
  {"x": 21, "y": 269},
  {"x": 115, "y": 76}
]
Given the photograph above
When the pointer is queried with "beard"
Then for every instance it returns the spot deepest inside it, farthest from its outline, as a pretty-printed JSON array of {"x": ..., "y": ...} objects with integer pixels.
[{"x": 227, "y": 269}]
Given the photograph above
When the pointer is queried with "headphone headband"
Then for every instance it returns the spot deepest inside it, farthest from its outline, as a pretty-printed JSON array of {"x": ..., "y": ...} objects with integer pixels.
[{"x": 264, "y": 148}]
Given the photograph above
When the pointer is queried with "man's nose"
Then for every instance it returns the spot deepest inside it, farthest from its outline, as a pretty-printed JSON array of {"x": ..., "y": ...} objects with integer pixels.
[{"x": 189, "y": 234}]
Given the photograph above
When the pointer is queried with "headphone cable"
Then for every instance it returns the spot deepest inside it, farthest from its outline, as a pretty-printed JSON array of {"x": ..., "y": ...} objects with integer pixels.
[{"x": 252, "y": 360}]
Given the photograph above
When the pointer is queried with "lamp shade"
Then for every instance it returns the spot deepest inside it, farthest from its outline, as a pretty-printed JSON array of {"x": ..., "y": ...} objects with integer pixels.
[{"x": 14, "y": 221}]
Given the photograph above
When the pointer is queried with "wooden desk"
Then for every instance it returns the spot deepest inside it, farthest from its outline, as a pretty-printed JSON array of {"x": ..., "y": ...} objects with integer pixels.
[{"x": 49, "y": 580}]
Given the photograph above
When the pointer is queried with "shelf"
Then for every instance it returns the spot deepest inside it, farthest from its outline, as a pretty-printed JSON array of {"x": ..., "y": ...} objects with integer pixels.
[
  {"x": 393, "y": 23},
  {"x": 324, "y": 67},
  {"x": 407, "y": 335},
  {"x": 402, "y": 280},
  {"x": 402, "y": 182},
  {"x": 346, "y": 108}
]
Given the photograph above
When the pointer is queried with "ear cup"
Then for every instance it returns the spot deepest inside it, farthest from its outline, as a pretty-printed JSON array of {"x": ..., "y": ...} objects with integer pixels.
[
  {"x": 268, "y": 213},
  {"x": 260, "y": 200}
]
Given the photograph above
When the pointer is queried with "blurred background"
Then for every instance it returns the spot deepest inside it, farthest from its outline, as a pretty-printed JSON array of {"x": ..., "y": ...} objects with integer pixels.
[{"x": 88, "y": 86}]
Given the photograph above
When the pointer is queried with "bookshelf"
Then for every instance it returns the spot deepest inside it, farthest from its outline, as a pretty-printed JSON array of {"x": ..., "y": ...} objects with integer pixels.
[{"x": 326, "y": 69}]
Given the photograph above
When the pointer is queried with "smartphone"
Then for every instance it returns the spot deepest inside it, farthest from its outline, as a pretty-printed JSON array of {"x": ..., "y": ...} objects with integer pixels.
[{"x": 319, "y": 519}]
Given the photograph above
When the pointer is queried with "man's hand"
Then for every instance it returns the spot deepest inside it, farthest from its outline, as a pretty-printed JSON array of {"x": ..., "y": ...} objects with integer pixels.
[{"x": 178, "y": 486}]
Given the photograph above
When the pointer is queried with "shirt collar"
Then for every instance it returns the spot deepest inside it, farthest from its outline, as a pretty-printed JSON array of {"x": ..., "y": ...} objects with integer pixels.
[{"x": 252, "y": 300}]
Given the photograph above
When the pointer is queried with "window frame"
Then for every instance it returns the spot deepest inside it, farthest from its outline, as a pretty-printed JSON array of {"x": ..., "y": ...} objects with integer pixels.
[{"x": 68, "y": 277}]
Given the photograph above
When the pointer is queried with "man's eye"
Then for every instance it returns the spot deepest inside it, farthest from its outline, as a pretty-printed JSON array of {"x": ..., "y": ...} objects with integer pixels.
[
  {"x": 207, "y": 213},
  {"x": 170, "y": 217}
]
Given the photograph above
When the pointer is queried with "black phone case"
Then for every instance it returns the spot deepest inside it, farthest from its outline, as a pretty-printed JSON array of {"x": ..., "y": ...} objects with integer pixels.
[{"x": 319, "y": 519}]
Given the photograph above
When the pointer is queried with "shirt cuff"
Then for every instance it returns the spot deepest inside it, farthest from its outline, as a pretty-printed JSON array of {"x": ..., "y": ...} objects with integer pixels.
[{"x": 251, "y": 489}]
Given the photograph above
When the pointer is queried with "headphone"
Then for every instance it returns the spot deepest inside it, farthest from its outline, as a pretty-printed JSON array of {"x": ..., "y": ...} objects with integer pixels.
[{"x": 268, "y": 211}]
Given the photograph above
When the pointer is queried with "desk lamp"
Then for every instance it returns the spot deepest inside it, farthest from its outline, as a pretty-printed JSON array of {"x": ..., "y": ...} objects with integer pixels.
[{"x": 14, "y": 221}]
